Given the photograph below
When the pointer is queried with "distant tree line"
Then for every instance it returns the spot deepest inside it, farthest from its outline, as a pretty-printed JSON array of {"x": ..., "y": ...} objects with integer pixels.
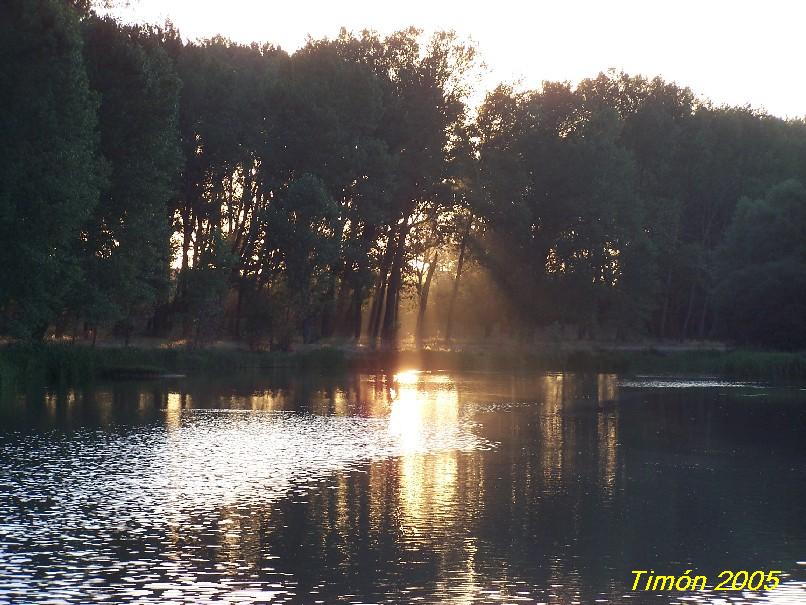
[{"x": 210, "y": 190}]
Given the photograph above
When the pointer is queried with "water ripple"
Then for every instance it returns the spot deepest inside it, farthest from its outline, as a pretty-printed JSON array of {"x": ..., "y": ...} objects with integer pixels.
[{"x": 93, "y": 515}]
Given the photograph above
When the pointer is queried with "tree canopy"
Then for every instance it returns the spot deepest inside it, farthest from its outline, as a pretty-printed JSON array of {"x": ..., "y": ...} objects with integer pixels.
[{"x": 208, "y": 189}]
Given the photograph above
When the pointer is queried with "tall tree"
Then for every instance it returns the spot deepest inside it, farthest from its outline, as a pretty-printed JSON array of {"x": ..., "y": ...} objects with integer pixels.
[
  {"x": 761, "y": 267},
  {"x": 425, "y": 87},
  {"x": 49, "y": 170},
  {"x": 126, "y": 251},
  {"x": 561, "y": 203}
]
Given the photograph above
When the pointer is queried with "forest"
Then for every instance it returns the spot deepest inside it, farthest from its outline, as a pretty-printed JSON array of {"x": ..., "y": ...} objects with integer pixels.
[{"x": 352, "y": 190}]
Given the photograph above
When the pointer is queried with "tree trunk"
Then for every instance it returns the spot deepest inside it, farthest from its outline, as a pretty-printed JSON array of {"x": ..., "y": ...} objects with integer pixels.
[
  {"x": 454, "y": 293},
  {"x": 358, "y": 300},
  {"x": 187, "y": 230},
  {"x": 703, "y": 316},
  {"x": 424, "y": 300},
  {"x": 390, "y": 324},
  {"x": 689, "y": 312},
  {"x": 238, "y": 312},
  {"x": 377, "y": 307},
  {"x": 342, "y": 323},
  {"x": 329, "y": 310},
  {"x": 380, "y": 288},
  {"x": 665, "y": 310},
  {"x": 307, "y": 330}
]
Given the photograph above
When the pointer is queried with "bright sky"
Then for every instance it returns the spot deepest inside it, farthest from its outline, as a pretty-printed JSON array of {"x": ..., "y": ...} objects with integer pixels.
[{"x": 733, "y": 51}]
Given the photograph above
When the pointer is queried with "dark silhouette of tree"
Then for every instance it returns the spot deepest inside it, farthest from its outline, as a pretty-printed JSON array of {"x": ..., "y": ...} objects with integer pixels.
[
  {"x": 209, "y": 189},
  {"x": 126, "y": 244},
  {"x": 49, "y": 170},
  {"x": 761, "y": 267}
]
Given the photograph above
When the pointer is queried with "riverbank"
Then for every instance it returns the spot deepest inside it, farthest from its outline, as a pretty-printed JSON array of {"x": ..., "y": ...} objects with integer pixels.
[
  {"x": 66, "y": 363},
  {"x": 767, "y": 365}
]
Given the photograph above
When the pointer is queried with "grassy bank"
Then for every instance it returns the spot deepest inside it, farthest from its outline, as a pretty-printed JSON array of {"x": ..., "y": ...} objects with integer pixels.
[
  {"x": 735, "y": 364},
  {"x": 66, "y": 364}
]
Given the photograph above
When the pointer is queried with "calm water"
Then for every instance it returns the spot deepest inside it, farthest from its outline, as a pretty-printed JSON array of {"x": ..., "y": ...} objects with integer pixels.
[{"x": 406, "y": 488}]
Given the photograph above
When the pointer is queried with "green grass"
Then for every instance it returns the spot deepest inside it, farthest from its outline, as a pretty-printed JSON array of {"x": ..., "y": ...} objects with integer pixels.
[
  {"x": 68, "y": 364},
  {"x": 737, "y": 364},
  {"x": 734, "y": 364}
]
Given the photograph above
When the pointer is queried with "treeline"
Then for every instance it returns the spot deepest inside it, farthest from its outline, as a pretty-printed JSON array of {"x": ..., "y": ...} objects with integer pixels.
[{"x": 210, "y": 190}]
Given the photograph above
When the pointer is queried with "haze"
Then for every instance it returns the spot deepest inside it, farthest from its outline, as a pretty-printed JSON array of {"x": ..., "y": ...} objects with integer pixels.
[{"x": 739, "y": 52}]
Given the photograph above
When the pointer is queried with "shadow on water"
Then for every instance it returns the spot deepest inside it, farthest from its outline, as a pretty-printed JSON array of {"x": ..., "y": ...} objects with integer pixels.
[{"x": 406, "y": 487}]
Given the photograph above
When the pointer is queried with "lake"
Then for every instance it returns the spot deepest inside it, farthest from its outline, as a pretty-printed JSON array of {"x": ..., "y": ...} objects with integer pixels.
[{"x": 413, "y": 487}]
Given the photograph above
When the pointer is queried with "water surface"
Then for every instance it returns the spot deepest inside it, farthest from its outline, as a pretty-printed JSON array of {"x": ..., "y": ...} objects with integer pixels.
[{"x": 413, "y": 487}]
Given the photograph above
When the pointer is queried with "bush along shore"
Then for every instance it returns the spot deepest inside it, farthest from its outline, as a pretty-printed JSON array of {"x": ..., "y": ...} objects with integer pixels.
[{"x": 69, "y": 364}]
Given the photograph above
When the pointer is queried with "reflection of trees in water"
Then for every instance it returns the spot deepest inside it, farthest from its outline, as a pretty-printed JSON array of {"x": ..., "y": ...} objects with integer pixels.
[
  {"x": 607, "y": 433},
  {"x": 464, "y": 521},
  {"x": 588, "y": 482},
  {"x": 423, "y": 511},
  {"x": 538, "y": 488}
]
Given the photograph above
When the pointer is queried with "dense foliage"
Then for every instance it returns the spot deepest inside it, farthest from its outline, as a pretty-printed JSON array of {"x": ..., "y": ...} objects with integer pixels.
[
  {"x": 50, "y": 172},
  {"x": 207, "y": 190}
]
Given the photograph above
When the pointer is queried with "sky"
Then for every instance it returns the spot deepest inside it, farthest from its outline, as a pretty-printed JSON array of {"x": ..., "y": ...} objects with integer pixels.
[{"x": 735, "y": 52}]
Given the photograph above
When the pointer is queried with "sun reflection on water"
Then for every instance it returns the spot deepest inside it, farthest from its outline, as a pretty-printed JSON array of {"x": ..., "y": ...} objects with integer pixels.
[{"x": 239, "y": 496}]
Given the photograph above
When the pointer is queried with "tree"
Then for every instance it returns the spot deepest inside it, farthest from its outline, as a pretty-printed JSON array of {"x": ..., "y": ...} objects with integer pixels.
[
  {"x": 49, "y": 170},
  {"x": 301, "y": 241},
  {"x": 560, "y": 204},
  {"x": 424, "y": 90},
  {"x": 293, "y": 189},
  {"x": 761, "y": 295},
  {"x": 125, "y": 245},
  {"x": 227, "y": 119},
  {"x": 329, "y": 115}
]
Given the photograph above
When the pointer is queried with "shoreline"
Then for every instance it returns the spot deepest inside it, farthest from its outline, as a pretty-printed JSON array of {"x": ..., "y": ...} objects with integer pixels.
[{"x": 74, "y": 363}]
